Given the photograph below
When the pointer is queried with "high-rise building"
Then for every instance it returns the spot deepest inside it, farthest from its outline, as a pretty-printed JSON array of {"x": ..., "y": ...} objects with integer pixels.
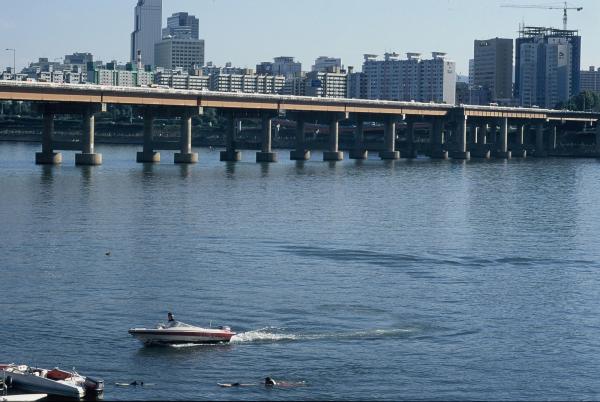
[
  {"x": 185, "y": 53},
  {"x": 329, "y": 84},
  {"x": 287, "y": 67},
  {"x": 590, "y": 80},
  {"x": 493, "y": 65},
  {"x": 182, "y": 25},
  {"x": 357, "y": 85},
  {"x": 547, "y": 66},
  {"x": 147, "y": 30},
  {"x": 413, "y": 79},
  {"x": 324, "y": 64},
  {"x": 180, "y": 46}
]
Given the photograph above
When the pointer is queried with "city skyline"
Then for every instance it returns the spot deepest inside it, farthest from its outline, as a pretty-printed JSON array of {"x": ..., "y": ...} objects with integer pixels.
[{"x": 82, "y": 27}]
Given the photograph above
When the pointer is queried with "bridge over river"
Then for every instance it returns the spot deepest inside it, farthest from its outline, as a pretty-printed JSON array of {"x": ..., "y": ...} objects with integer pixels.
[{"x": 459, "y": 132}]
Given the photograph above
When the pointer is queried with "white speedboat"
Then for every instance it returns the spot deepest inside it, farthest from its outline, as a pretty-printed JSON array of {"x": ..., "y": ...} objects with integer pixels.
[
  {"x": 179, "y": 333},
  {"x": 55, "y": 382}
]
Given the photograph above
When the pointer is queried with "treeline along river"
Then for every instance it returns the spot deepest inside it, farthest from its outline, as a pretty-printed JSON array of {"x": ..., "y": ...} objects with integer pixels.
[{"x": 367, "y": 280}]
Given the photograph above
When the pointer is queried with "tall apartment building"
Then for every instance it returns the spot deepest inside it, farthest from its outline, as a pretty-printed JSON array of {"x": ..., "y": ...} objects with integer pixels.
[
  {"x": 413, "y": 79},
  {"x": 247, "y": 83},
  {"x": 147, "y": 30},
  {"x": 324, "y": 64},
  {"x": 180, "y": 47},
  {"x": 357, "y": 84},
  {"x": 329, "y": 84},
  {"x": 547, "y": 66},
  {"x": 180, "y": 79},
  {"x": 590, "y": 80},
  {"x": 112, "y": 74},
  {"x": 493, "y": 66}
]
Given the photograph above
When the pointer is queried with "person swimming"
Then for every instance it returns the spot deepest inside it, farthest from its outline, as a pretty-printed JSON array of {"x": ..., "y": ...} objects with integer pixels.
[{"x": 269, "y": 382}]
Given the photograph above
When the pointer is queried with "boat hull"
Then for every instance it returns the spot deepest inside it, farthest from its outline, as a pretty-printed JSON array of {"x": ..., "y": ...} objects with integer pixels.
[
  {"x": 32, "y": 383},
  {"x": 178, "y": 337}
]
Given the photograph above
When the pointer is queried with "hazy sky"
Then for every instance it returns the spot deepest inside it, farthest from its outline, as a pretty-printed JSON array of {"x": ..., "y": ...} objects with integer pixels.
[{"x": 246, "y": 32}]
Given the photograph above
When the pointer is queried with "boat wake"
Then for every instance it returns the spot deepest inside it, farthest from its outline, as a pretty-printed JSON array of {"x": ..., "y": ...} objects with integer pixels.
[{"x": 272, "y": 334}]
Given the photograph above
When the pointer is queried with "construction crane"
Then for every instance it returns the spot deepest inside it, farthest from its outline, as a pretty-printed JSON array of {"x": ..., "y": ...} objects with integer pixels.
[{"x": 565, "y": 9}]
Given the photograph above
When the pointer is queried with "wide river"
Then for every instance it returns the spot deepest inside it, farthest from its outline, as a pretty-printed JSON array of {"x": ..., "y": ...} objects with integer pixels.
[{"x": 366, "y": 280}]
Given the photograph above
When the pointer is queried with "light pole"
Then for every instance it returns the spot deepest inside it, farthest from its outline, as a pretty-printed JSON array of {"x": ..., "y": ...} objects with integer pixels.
[{"x": 14, "y": 59}]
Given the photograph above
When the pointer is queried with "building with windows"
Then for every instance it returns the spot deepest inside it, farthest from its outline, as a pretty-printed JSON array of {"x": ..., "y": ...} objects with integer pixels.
[
  {"x": 171, "y": 53},
  {"x": 211, "y": 69},
  {"x": 284, "y": 65},
  {"x": 324, "y": 64},
  {"x": 328, "y": 84},
  {"x": 147, "y": 30},
  {"x": 182, "y": 25},
  {"x": 590, "y": 80},
  {"x": 493, "y": 66},
  {"x": 112, "y": 74},
  {"x": 412, "y": 79},
  {"x": 357, "y": 85},
  {"x": 264, "y": 68},
  {"x": 247, "y": 83},
  {"x": 180, "y": 46},
  {"x": 547, "y": 66},
  {"x": 180, "y": 79}
]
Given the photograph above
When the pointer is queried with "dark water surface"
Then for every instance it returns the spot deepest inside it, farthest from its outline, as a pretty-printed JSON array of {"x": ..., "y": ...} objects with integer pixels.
[{"x": 374, "y": 280}]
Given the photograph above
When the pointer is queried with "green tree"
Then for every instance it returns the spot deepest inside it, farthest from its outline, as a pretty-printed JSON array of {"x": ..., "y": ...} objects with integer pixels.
[{"x": 585, "y": 101}]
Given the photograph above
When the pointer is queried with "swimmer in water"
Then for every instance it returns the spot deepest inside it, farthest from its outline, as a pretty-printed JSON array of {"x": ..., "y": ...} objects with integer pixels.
[{"x": 269, "y": 382}]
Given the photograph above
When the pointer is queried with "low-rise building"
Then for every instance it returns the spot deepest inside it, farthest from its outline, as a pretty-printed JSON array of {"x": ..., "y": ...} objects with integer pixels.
[{"x": 590, "y": 80}]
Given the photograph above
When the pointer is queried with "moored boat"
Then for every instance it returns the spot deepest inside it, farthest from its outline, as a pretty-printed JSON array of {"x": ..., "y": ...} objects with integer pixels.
[{"x": 55, "y": 382}]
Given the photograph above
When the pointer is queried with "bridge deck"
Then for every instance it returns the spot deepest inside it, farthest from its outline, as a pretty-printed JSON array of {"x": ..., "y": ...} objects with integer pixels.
[{"x": 72, "y": 93}]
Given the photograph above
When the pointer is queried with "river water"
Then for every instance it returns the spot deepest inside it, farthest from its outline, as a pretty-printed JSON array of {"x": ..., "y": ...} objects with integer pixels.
[{"x": 366, "y": 280}]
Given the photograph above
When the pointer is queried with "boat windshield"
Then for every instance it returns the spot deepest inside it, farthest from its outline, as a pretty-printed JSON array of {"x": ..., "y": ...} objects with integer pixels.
[{"x": 176, "y": 324}]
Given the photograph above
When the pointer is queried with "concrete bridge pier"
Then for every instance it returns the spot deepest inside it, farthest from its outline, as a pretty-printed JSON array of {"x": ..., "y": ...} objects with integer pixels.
[
  {"x": 148, "y": 155},
  {"x": 300, "y": 153},
  {"x": 334, "y": 154},
  {"x": 436, "y": 140},
  {"x": 359, "y": 152},
  {"x": 410, "y": 139},
  {"x": 230, "y": 154},
  {"x": 520, "y": 151},
  {"x": 540, "y": 150},
  {"x": 502, "y": 151},
  {"x": 185, "y": 154},
  {"x": 461, "y": 140},
  {"x": 266, "y": 154},
  {"x": 48, "y": 156},
  {"x": 481, "y": 149},
  {"x": 389, "y": 134},
  {"x": 88, "y": 157}
]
